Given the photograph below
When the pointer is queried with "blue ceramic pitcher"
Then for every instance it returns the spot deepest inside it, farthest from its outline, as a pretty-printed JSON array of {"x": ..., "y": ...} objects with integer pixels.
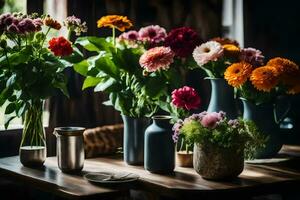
[{"x": 266, "y": 118}]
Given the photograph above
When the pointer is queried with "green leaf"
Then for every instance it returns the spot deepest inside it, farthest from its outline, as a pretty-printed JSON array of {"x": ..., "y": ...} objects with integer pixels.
[
  {"x": 95, "y": 44},
  {"x": 154, "y": 86},
  {"x": 10, "y": 108},
  {"x": 8, "y": 120},
  {"x": 75, "y": 57},
  {"x": 105, "y": 64},
  {"x": 90, "y": 82},
  {"x": 21, "y": 110},
  {"x": 11, "y": 80},
  {"x": 81, "y": 67},
  {"x": 61, "y": 83},
  {"x": 5, "y": 94},
  {"x": 107, "y": 86}
]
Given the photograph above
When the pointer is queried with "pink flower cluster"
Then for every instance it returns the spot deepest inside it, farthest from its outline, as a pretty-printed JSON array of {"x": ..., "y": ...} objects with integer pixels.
[
  {"x": 152, "y": 34},
  {"x": 13, "y": 23},
  {"x": 186, "y": 97},
  {"x": 157, "y": 58},
  {"x": 252, "y": 56}
]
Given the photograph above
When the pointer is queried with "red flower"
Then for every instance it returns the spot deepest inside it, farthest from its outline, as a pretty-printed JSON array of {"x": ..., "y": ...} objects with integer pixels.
[
  {"x": 186, "y": 97},
  {"x": 60, "y": 46},
  {"x": 182, "y": 41}
]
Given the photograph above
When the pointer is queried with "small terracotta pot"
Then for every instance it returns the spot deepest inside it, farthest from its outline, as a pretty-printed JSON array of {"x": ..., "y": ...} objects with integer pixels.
[{"x": 184, "y": 159}]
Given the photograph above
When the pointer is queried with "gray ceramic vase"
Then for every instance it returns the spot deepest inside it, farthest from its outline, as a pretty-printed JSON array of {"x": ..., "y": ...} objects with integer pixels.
[
  {"x": 159, "y": 146},
  {"x": 133, "y": 142},
  {"x": 222, "y": 98}
]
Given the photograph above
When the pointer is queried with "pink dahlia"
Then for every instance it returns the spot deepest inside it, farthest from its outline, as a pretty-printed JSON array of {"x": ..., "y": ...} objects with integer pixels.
[
  {"x": 206, "y": 52},
  {"x": 130, "y": 35},
  {"x": 252, "y": 56},
  {"x": 182, "y": 41},
  {"x": 153, "y": 34},
  {"x": 186, "y": 97},
  {"x": 157, "y": 58},
  {"x": 210, "y": 120}
]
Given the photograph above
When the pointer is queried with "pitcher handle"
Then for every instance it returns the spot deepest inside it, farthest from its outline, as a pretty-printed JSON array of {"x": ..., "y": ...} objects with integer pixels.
[
  {"x": 280, "y": 119},
  {"x": 55, "y": 133}
]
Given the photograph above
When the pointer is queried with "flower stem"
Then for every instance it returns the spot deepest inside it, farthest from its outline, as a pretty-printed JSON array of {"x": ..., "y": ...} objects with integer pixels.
[{"x": 114, "y": 36}]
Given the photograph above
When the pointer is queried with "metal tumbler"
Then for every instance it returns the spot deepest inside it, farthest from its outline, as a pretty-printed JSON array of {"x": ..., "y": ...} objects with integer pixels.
[{"x": 70, "y": 148}]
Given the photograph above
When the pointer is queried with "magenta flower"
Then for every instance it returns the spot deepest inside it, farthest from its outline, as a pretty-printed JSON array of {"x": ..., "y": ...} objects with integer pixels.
[
  {"x": 157, "y": 58},
  {"x": 210, "y": 120},
  {"x": 130, "y": 35},
  {"x": 182, "y": 41},
  {"x": 252, "y": 56},
  {"x": 153, "y": 34},
  {"x": 186, "y": 97}
]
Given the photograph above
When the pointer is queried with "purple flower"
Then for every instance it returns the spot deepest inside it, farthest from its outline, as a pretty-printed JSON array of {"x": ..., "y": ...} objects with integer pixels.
[
  {"x": 13, "y": 29},
  {"x": 252, "y": 56},
  {"x": 38, "y": 23},
  {"x": 26, "y": 26},
  {"x": 198, "y": 117},
  {"x": 176, "y": 128},
  {"x": 153, "y": 34},
  {"x": 74, "y": 24},
  {"x": 210, "y": 120},
  {"x": 130, "y": 35},
  {"x": 233, "y": 123}
]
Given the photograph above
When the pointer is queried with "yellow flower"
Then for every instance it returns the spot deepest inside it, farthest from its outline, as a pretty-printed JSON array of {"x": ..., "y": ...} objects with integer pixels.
[
  {"x": 238, "y": 73},
  {"x": 231, "y": 50},
  {"x": 264, "y": 78},
  {"x": 52, "y": 23},
  {"x": 115, "y": 21}
]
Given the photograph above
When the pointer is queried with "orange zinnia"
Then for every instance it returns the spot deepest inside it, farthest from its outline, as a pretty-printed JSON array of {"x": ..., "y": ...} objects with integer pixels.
[
  {"x": 292, "y": 82},
  {"x": 283, "y": 65},
  {"x": 264, "y": 78},
  {"x": 52, "y": 23},
  {"x": 115, "y": 21},
  {"x": 224, "y": 41},
  {"x": 238, "y": 73},
  {"x": 231, "y": 50}
]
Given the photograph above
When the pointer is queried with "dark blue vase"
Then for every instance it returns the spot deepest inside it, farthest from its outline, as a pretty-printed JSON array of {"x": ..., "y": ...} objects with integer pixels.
[
  {"x": 264, "y": 116},
  {"x": 222, "y": 98},
  {"x": 159, "y": 146},
  {"x": 133, "y": 142}
]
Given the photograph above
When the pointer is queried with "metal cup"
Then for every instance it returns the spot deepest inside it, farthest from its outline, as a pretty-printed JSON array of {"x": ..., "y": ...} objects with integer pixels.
[{"x": 70, "y": 148}]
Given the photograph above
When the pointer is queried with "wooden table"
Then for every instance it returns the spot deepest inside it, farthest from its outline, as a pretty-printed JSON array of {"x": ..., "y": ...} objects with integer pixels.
[{"x": 278, "y": 175}]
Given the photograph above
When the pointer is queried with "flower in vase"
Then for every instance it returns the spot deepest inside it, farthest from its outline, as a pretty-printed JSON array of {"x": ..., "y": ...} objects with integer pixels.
[
  {"x": 52, "y": 23},
  {"x": 231, "y": 50},
  {"x": 73, "y": 23},
  {"x": 130, "y": 35},
  {"x": 115, "y": 21},
  {"x": 252, "y": 56},
  {"x": 157, "y": 58},
  {"x": 153, "y": 34},
  {"x": 238, "y": 73},
  {"x": 206, "y": 52},
  {"x": 264, "y": 78},
  {"x": 283, "y": 65},
  {"x": 224, "y": 41},
  {"x": 60, "y": 46},
  {"x": 211, "y": 120},
  {"x": 182, "y": 41},
  {"x": 186, "y": 97}
]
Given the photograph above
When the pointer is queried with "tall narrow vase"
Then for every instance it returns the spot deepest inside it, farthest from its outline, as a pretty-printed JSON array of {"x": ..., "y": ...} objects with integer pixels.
[
  {"x": 133, "y": 144},
  {"x": 33, "y": 144},
  {"x": 222, "y": 98},
  {"x": 159, "y": 146},
  {"x": 263, "y": 116}
]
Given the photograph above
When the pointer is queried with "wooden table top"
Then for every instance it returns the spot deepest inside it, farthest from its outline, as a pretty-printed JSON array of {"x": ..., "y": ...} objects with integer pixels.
[{"x": 261, "y": 175}]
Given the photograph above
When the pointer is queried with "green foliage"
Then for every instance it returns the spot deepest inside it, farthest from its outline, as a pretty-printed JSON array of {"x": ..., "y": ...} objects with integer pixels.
[
  {"x": 245, "y": 136},
  {"x": 29, "y": 71},
  {"x": 116, "y": 71}
]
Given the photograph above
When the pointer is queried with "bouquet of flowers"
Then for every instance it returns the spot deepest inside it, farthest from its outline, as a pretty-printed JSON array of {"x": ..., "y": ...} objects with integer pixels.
[
  {"x": 32, "y": 71},
  {"x": 138, "y": 69},
  {"x": 216, "y": 55},
  {"x": 215, "y": 129},
  {"x": 262, "y": 83}
]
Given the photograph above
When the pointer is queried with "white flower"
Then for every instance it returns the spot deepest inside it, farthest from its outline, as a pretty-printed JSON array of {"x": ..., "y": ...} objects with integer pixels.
[{"x": 206, "y": 52}]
